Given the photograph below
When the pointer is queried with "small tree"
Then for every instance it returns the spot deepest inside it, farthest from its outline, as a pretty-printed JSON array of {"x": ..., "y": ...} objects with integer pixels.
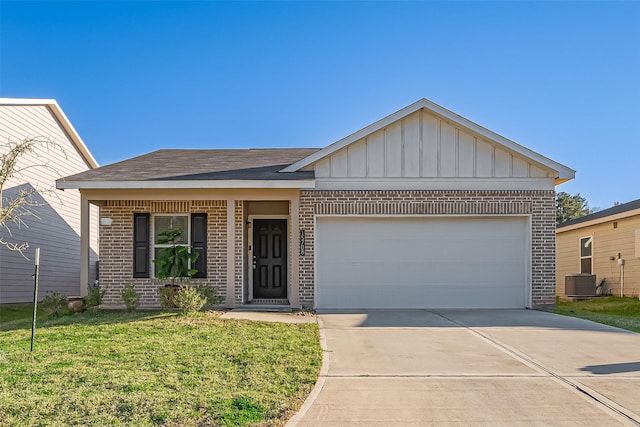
[
  {"x": 570, "y": 207},
  {"x": 174, "y": 262},
  {"x": 14, "y": 209}
]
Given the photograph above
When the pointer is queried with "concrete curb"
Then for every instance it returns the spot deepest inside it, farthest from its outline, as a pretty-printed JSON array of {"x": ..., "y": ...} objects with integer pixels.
[{"x": 322, "y": 377}]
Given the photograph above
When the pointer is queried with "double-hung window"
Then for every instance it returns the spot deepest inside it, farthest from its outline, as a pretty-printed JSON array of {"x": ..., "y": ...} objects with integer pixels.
[
  {"x": 163, "y": 223},
  {"x": 148, "y": 231},
  {"x": 586, "y": 255}
]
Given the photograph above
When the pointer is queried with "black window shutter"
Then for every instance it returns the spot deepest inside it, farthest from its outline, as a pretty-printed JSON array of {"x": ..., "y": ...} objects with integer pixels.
[
  {"x": 141, "y": 245},
  {"x": 199, "y": 243}
]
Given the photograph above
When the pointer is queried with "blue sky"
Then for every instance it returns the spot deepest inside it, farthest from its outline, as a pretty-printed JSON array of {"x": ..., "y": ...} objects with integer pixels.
[{"x": 561, "y": 78}]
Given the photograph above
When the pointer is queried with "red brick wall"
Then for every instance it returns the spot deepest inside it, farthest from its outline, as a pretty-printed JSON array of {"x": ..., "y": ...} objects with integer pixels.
[{"x": 539, "y": 204}]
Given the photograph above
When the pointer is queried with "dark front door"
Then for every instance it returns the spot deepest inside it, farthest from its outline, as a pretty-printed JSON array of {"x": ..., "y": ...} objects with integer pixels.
[{"x": 269, "y": 258}]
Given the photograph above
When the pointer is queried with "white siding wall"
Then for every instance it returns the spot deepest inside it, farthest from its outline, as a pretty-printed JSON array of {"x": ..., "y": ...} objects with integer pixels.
[
  {"x": 423, "y": 145},
  {"x": 57, "y": 229}
]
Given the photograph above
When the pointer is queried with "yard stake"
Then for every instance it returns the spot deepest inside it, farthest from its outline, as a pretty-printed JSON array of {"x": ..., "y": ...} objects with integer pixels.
[{"x": 35, "y": 298}]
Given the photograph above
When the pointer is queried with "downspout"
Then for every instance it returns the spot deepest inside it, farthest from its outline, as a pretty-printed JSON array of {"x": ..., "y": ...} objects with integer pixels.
[{"x": 621, "y": 262}]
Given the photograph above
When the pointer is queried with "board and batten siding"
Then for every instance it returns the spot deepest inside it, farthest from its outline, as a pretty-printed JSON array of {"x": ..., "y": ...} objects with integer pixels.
[
  {"x": 423, "y": 145},
  {"x": 56, "y": 229},
  {"x": 607, "y": 242}
]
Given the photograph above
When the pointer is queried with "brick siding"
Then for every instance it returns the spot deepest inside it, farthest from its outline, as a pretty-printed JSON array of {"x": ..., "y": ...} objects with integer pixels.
[
  {"x": 239, "y": 258},
  {"x": 116, "y": 246},
  {"x": 116, "y": 240},
  {"x": 539, "y": 204}
]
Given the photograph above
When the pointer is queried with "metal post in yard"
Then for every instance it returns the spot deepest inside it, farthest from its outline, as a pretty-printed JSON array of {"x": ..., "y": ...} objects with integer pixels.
[{"x": 35, "y": 298}]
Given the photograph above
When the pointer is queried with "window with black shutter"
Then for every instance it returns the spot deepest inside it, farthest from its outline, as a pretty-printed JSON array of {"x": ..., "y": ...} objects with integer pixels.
[
  {"x": 193, "y": 233},
  {"x": 141, "y": 245},
  {"x": 199, "y": 243}
]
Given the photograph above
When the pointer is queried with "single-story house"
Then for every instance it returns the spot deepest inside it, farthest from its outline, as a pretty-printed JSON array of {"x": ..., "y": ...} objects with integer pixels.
[
  {"x": 421, "y": 209},
  {"x": 605, "y": 244},
  {"x": 55, "y": 226}
]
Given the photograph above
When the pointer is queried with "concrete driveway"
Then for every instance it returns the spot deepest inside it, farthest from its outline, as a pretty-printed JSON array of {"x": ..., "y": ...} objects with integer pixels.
[{"x": 467, "y": 367}]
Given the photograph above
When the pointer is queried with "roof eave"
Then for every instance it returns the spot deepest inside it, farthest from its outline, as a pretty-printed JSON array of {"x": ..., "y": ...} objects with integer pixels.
[
  {"x": 53, "y": 106},
  {"x": 563, "y": 179},
  {"x": 596, "y": 221},
  {"x": 179, "y": 184}
]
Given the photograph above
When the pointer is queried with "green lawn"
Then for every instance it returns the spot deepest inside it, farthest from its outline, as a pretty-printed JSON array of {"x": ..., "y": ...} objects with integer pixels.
[
  {"x": 20, "y": 314},
  {"x": 153, "y": 368},
  {"x": 615, "y": 311}
]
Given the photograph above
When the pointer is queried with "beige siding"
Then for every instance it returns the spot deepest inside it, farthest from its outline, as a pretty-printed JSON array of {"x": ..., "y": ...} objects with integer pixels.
[
  {"x": 56, "y": 228},
  {"x": 267, "y": 208},
  {"x": 423, "y": 145},
  {"x": 607, "y": 242}
]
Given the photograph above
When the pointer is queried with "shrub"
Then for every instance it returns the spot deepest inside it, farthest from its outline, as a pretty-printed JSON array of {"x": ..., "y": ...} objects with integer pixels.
[
  {"x": 54, "y": 304},
  {"x": 94, "y": 297},
  {"x": 130, "y": 297},
  {"x": 210, "y": 294},
  {"x": 167, "y": 294},
  {"x": 188, "y": 300}
]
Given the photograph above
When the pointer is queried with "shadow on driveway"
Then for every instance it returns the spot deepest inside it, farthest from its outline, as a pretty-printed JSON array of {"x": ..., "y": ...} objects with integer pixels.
[
  {"x": 455, "y": 318},
  {"x": 612, "y": 368}
]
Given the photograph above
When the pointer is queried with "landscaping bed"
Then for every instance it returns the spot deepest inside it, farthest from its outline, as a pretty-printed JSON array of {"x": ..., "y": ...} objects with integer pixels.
[
  {"x": 154, "y": 368},
  {"x": 614, "y": 311}
]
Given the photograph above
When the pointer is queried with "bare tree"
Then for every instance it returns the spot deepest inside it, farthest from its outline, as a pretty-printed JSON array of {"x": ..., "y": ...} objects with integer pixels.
[{"x": 20, "y": 204}]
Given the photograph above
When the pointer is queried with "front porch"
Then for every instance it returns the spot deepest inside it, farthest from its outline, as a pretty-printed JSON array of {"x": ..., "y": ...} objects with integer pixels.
[{"x": 249, "y": 242}]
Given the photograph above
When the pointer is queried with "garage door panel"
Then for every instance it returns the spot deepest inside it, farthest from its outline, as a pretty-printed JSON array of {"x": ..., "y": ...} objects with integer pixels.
[
  {"x": 421, "y": 263},
  {"x": 432, "y": 297},
  {"x": 417, "y": 274}
]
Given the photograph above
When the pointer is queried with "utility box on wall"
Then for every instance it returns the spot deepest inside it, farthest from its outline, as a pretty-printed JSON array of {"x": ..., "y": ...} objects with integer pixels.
[{"x": 580, "y": 285}]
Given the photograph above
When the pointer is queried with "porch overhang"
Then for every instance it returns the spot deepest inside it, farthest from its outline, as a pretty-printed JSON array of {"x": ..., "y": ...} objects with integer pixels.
[{"x": 191, "y": 184}]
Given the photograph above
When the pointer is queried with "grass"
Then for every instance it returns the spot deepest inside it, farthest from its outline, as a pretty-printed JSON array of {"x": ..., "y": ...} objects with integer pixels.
[
  {"x": 614, "y": 311},
  {"x": 153, "y": 368},
  {"x": 10, "y": 313}
]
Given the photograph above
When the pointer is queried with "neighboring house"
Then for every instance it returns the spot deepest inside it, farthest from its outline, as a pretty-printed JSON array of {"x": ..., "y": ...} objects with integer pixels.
[
  {"x": 422, "y": 209},
  {"x": 606, "y": 244},
  {"x": 56, "y": 227}
]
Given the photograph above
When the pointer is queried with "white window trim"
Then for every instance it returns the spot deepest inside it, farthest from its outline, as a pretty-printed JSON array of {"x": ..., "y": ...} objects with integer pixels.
[
  {"x": 580, "y": 257},
  {"x": 153, "y": 237}
]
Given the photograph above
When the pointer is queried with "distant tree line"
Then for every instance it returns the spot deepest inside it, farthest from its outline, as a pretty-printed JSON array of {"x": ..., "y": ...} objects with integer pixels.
[{"x": 570, "y": 207}]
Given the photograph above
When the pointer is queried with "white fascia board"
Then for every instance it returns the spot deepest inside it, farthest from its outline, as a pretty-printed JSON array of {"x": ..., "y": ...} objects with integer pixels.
[
  {"x": 564, "y": 173},
  {"x": 63, "y": 185},
  {"x": 353, "y": 137},
  {"x": 26, "y": 101},
  {"x": 597, "y": 221},
  {"x": 414, "y": 184},
  {"x": 52, "y": 104}
]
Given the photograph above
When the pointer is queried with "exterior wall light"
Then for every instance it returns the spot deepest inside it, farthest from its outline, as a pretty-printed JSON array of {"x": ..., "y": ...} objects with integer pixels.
[{"x": 106, "y": 221}]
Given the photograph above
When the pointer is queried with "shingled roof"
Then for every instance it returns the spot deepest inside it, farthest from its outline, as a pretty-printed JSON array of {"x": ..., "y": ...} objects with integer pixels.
[
  {"x": 603, "y": 214},
  {"x": 199, "y": 165}
]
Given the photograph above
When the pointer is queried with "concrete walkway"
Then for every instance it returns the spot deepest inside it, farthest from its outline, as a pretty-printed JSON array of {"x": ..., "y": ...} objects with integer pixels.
[
  {"x": 262, "y": 316},
  {"x": 486, "y": 367}
]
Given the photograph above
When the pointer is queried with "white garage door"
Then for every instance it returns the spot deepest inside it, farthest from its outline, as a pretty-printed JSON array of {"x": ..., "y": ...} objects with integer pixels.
[{"x": 364, "y": 262}]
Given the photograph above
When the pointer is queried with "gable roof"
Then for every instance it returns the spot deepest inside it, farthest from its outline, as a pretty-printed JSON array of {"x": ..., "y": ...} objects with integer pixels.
[
  {"x": 62, "y": 119},
  {"x": 623, "y": 210},
  {"x": 182, "y": 168},
  {"x": 563, "y": 173}
]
